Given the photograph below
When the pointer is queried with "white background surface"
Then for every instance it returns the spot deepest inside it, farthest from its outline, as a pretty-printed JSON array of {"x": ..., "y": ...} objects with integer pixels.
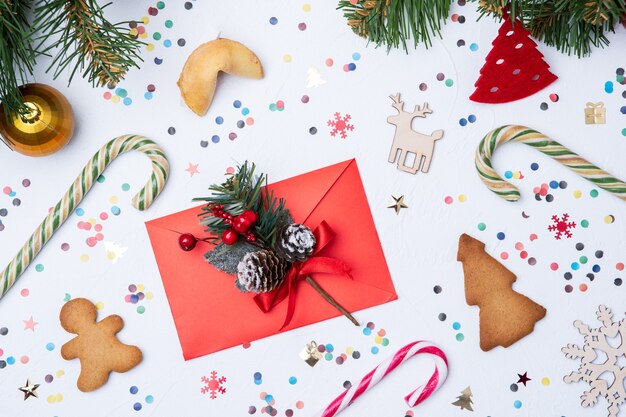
[{"x": 420, "y": 243}]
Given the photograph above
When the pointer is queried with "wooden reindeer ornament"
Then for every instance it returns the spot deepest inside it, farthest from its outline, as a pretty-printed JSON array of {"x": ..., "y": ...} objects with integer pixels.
[{"x": 407, "y": 141}]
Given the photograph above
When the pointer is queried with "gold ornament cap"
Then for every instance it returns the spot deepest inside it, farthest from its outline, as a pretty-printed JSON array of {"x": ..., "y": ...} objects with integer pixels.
[{"x": 46, "y": 126}]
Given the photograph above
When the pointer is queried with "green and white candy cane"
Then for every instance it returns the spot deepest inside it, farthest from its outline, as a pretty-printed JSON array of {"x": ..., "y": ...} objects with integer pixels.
[
  {"x": 80, "y": 187},
  {"x": 552, "y": 148}
]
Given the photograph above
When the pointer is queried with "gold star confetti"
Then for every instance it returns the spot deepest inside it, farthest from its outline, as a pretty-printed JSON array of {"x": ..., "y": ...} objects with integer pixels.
[
  {"x": 30, "y": 390},
  {"x": 399, "y": 204}
]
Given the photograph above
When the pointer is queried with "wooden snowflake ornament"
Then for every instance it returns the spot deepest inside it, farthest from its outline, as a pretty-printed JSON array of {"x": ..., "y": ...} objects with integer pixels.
[{"x": 596, "y": 342}]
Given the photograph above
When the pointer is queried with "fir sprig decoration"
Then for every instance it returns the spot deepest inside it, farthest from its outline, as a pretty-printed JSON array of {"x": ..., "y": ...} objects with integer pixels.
[
  {"x": 17, "y": 56},
  {"x": 394, "y": 22},
  {"x": 83, "y": 40},
  {"x": 245, "y": 190},
  {"x": 571, "y": 26}
]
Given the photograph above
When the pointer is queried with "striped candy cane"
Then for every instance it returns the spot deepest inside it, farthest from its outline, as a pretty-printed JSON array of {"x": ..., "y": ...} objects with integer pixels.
[
  {"x": 80, "y": 187},
  {"x": 413, "y": 398},
  {"x": 544, "y": 144}
]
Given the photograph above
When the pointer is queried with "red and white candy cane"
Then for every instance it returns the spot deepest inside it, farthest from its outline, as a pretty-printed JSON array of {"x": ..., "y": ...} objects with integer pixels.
[{"x": 415, "y": 397}]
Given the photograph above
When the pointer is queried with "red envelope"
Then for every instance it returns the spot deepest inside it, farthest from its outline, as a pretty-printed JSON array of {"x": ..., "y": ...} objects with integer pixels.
[{"x": 209, "y": 311}]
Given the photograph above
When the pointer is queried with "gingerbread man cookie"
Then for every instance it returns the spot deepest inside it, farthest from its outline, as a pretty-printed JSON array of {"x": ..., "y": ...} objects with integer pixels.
[{"x": 96, "y": 345}]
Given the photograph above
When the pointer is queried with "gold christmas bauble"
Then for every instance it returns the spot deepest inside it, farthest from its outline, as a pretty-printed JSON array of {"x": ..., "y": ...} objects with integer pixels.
[{"x": 45, "y": 128}]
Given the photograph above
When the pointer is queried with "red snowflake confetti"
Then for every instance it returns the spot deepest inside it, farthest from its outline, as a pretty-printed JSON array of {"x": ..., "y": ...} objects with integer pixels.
[
  {"x": 561, "y": 226},
  {"x": 213, "y": 385},
  {"x": 340, "y": 125}
]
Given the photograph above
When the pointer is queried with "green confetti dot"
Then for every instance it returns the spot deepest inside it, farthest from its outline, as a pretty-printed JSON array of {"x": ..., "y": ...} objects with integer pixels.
[
  {"x": 460, "y": 337},
  {"x": 67, "y": 297},
  {"x": 385, "y": 342},
  {"x": 593, "y": 193},
  {"x": 482, "y": 227},
  {"x": 584, "y": 223},
  {"x": 125, "y": 187},
  {"x": 583, "y": 259},
  {"x": 101, "y": 179},
  {"x": 161, "y": 5},
  {"x": 169, "y": 24},
  {"x": 156, "y": 36},
  {"x": 624, "y": 131},
  {"x": 39, "y": 267},
  {"x": 620, "y": 78},
  {"x": 449, "y": 83},
  {"x": 328, "y": 356},
  {"x": 141, "y": 309}
]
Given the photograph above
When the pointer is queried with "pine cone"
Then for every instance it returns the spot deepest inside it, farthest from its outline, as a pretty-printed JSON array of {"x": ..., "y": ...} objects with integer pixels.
[
  {"x": 260, "y": 271},
  {"x": 296, "y": 243}
]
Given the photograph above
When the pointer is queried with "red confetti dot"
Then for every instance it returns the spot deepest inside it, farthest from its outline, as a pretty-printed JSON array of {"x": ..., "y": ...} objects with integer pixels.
[
  {"x": 25, "y": 292},
  {"x": 554, "y": 266},
  {"x": 106, "y": 95},
  {"x": 91, "y": 241},
  {"x": 104, "y": 216},
  {"x": 554, "y": 97},
  {"x": 280, "y": 104},
  {"x": 504, "y": 255},
  {"x": 454, "y": 17},
  {"x": 582, "y": 287},
  {"x": 532, "y": 237},
  {"x": 246, "y": 345},
  {"x": 523, "y": 254},
  {"x": 519, "y": 246},
  {"x": 329, "y": 62},
  {"x": 448, "y": 200},
  {"x": 619, "y": 266}
]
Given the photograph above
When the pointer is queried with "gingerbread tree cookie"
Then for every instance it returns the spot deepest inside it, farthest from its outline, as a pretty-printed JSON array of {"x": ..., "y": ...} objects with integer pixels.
[
  {"x": 505, "y": 315},
  {"x": 97, "y": 346}
]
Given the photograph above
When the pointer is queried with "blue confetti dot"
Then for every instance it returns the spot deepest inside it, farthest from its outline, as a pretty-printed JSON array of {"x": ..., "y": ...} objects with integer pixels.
[
  {"x": 534, "y": 166},
  {"x": 508, "y": 174},
  {"x": 367, "y": 331},
  {"x": 474, "y": 47},
  {"x": 215, "y": 139},
  {"x": 517, "y": 404},
  {"x": 575, "y": 266},
  {"x": 471, "y": 118},
  {"x": 12, "y": 194},
  {"x": 149, "y": 399},
  {"x": 463, "y": 122},
  {"x": 351, "y": 66},
  {"x": 257, "y": 375},
  {"x": 273, "y": 20},
  {"x": 10, "y": 360},
  {"x": 134, "y": 298},
  {"x": 236, "y": 104},
  {"x": 245, "y": 111},
  {"x": 80, "y": 211},
  {"x": 456, "y": 325},
  {"x": 134, "y": 390},
  {"x": 596, "y": 268},
  {"x": 50, "y": 347},
  {"x": 147, "y": 95},
  {"x": 258, "y": 382},
  {"x": 269, "y": 398},
  {"x": 554, "y": 184},
  {"x": 330, "y": 348},
  {"x": 500, "y": 236},
  {"x": 375, "y": 350},
  {"x": 608, "y": 87},
  {"x": 158, "y": 61},
  {"x": 356, "y": 56},
  {"x": 623, "y": 109},
  {"x": 115, "y": 210},
  {"x": 167, "y": 43},
  {"x": 293, "y": 380},
  {"x": 137, "y": 406},
  {"x": 128, "y": 101},
  {"x": 219, "y": 120}
]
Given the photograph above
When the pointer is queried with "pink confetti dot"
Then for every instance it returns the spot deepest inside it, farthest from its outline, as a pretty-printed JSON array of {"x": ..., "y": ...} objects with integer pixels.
[
  {"x": 532, "y": 237},
  {"x": 86, "y": 225},
  {"x": 106, "y": 95},
  {"x": 104, "y": 216},
  {"x": 619, "y": 266},
  {"x": 448, "y": 200},
  {"x": 249, "y": 121},
  {"x": 302, "y": 26},
  {"x": 504, "y": 255},
  {"x": 65, "y": 246},
  {"x": 329, "y": 62},
  {"x": 554, "y": 266},
  {"x": 280, "y": 104},
  {"x": 519, "y": 246},
  {"x": 91, "y": 241},
  {"x": 97, "y": 228},
  {"x": 141, "y": 29},
  {"x": 543, "y": 192},
  {"x": 25, "y": 292},
  {"x": 127, "y": 298},
  {"x": 7, "y": 190},
  {"x": 1, "y": 352},
  {"x": 230, "y": 170},
  {"x": 346, "y": 68},
  {"x": 99, "y": 236},
  {"x": 299, "y": 405},
  {"x": 523, "y": 254},
  {"x": 24, "y": 359}
]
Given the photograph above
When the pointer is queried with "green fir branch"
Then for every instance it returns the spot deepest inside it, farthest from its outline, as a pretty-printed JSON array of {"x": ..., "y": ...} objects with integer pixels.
[
  {"x": 245, "y": 190},
  {"x": 572, "y": 27},
  {"x": 83, "y": 41},
  {"x": 395, "y": 22}
]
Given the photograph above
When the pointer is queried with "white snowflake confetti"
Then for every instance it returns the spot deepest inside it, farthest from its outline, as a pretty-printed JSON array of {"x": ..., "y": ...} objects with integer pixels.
[
  {"x": 114, "y": 251},
  {"x": 594, "y": 368}
]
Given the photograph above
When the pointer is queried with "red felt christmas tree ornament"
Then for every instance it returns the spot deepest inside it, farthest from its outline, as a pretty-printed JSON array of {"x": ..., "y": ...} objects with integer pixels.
[{"x": 514, "y": 68}]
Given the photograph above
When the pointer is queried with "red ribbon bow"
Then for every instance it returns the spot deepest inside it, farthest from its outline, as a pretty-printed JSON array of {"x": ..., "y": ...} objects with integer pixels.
[{"x": 300, "y": 270}]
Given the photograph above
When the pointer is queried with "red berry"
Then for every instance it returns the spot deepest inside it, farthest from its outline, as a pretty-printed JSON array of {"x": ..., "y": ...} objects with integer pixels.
[
  {"x": 229, "y": 237},
  {"x": 250, "y": 216},
  {"x": 241, "y": 225},
  {"x": 187, "y": 241}
]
